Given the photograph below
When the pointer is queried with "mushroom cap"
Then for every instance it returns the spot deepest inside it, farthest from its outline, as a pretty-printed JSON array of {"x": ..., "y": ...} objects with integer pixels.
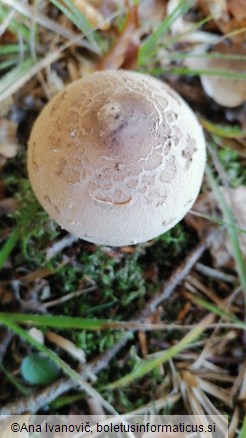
[
  {"x": 226, "y": 91},
  {"x": 116, "y": 158}
]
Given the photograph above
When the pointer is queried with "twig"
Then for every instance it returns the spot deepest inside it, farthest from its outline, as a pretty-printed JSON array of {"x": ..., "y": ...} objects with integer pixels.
[
  {"x": 215, "y": 273},
  {"x": 68, "y": 240},
  {"x": 178, "y": 275},
  {"x": 34, "y": 402},
  {"x": 68, "y": 297}
]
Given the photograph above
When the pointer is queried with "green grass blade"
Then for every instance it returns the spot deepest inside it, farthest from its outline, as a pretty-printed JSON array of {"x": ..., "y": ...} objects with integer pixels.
[
  {"x": 6, "y": 64},
  {"x": 217, "y": 311},
  {"x": 148, "y": 46},
  {"x": 232, "y": 232},
  {"x": 15, "y": 26},
  {"x": 75, "y": 16},
  {"x": 56, "y": 359},
  {"x": 8, "y": 247},
  {"x": 9, "y": 49},
  {"x": 82, "y": 23},
  {"x": 17, "y": 77},
  {"x": 59, "y": 322},
  {"x": 172, "y": 40},
  {"x": 222, "y": 131},
  {"x": 15, "y": 74},
  {"x": 215, "y": 55},
  {"x": 65, "y": 400},
  {"x": 216, "y": 220},
  {"x": 243, "y": 430},
  {"x": 197, "y": 72},
  {"x": 150, "y": 364},
  {"x": 21, "y": 388}
]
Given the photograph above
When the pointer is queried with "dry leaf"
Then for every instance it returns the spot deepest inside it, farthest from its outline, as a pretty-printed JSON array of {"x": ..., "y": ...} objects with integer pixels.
[
  {"x": 109, "y": 7},
  {"x": 221, "y": 248},
  {"x": 131, "y": 55},
  {"x": 218, "y": 9},
  {"x": 66, "y": 345},
  {"x": 228, "y": 15},
  {"x": 6, "y": 106},
  {"x": 36, "y": 275},
  {"x": 232, "y": 17},
  {"x": 182, "y": 26},
  {"x": 86, "y": 65},
  {"x": 126, "y": 45},
  {"x": 184, "y": 311},
  {"x": 73, "y": 68},
  {"x": 8, "y": 142},
  {"x": 8, "y": 37},
  {"x": 142, "y": 337},
  {"x": 93, "y": 15},
  {"x": 237, "y": 8},
  {"x": 231, "y": 26},
  {"x": 7, "y": 206},
  {"x": 151, "y": 12},
  {"x": 54, "y": 82}
]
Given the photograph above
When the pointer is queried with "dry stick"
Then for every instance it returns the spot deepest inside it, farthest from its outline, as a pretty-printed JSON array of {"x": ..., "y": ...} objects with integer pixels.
[
  {"x": 178, "y": 275},
  {"x": 34, "y": 402},
  {"x": 68, "y": 297},
  {"x": 216, "y": 274},
  {"x": 65, "y": 242}
]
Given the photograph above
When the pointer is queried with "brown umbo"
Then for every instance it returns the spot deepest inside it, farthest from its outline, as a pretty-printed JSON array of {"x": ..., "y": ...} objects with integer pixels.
[{"x": 116, "y": 158}]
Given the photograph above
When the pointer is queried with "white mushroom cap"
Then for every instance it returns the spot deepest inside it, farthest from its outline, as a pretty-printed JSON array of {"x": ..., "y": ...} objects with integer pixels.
[
  {"x": 226, "y": 91},
  {"x": 117, "y": 158}
]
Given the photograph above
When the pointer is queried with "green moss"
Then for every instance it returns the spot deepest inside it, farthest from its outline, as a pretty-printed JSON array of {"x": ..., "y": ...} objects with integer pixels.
[
  {"x": 230, "y": 160},
  {"x": 35, "y": 228}
]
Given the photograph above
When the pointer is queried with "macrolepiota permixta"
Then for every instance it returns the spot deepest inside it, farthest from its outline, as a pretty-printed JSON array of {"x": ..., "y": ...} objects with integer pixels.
[{"x": 117, "y": 158}]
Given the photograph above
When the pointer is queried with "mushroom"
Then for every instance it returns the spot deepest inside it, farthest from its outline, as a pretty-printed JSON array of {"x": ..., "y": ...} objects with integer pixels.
[
  {"x": 225, "y": 90},
  {"x": 116, "y": 158}
]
